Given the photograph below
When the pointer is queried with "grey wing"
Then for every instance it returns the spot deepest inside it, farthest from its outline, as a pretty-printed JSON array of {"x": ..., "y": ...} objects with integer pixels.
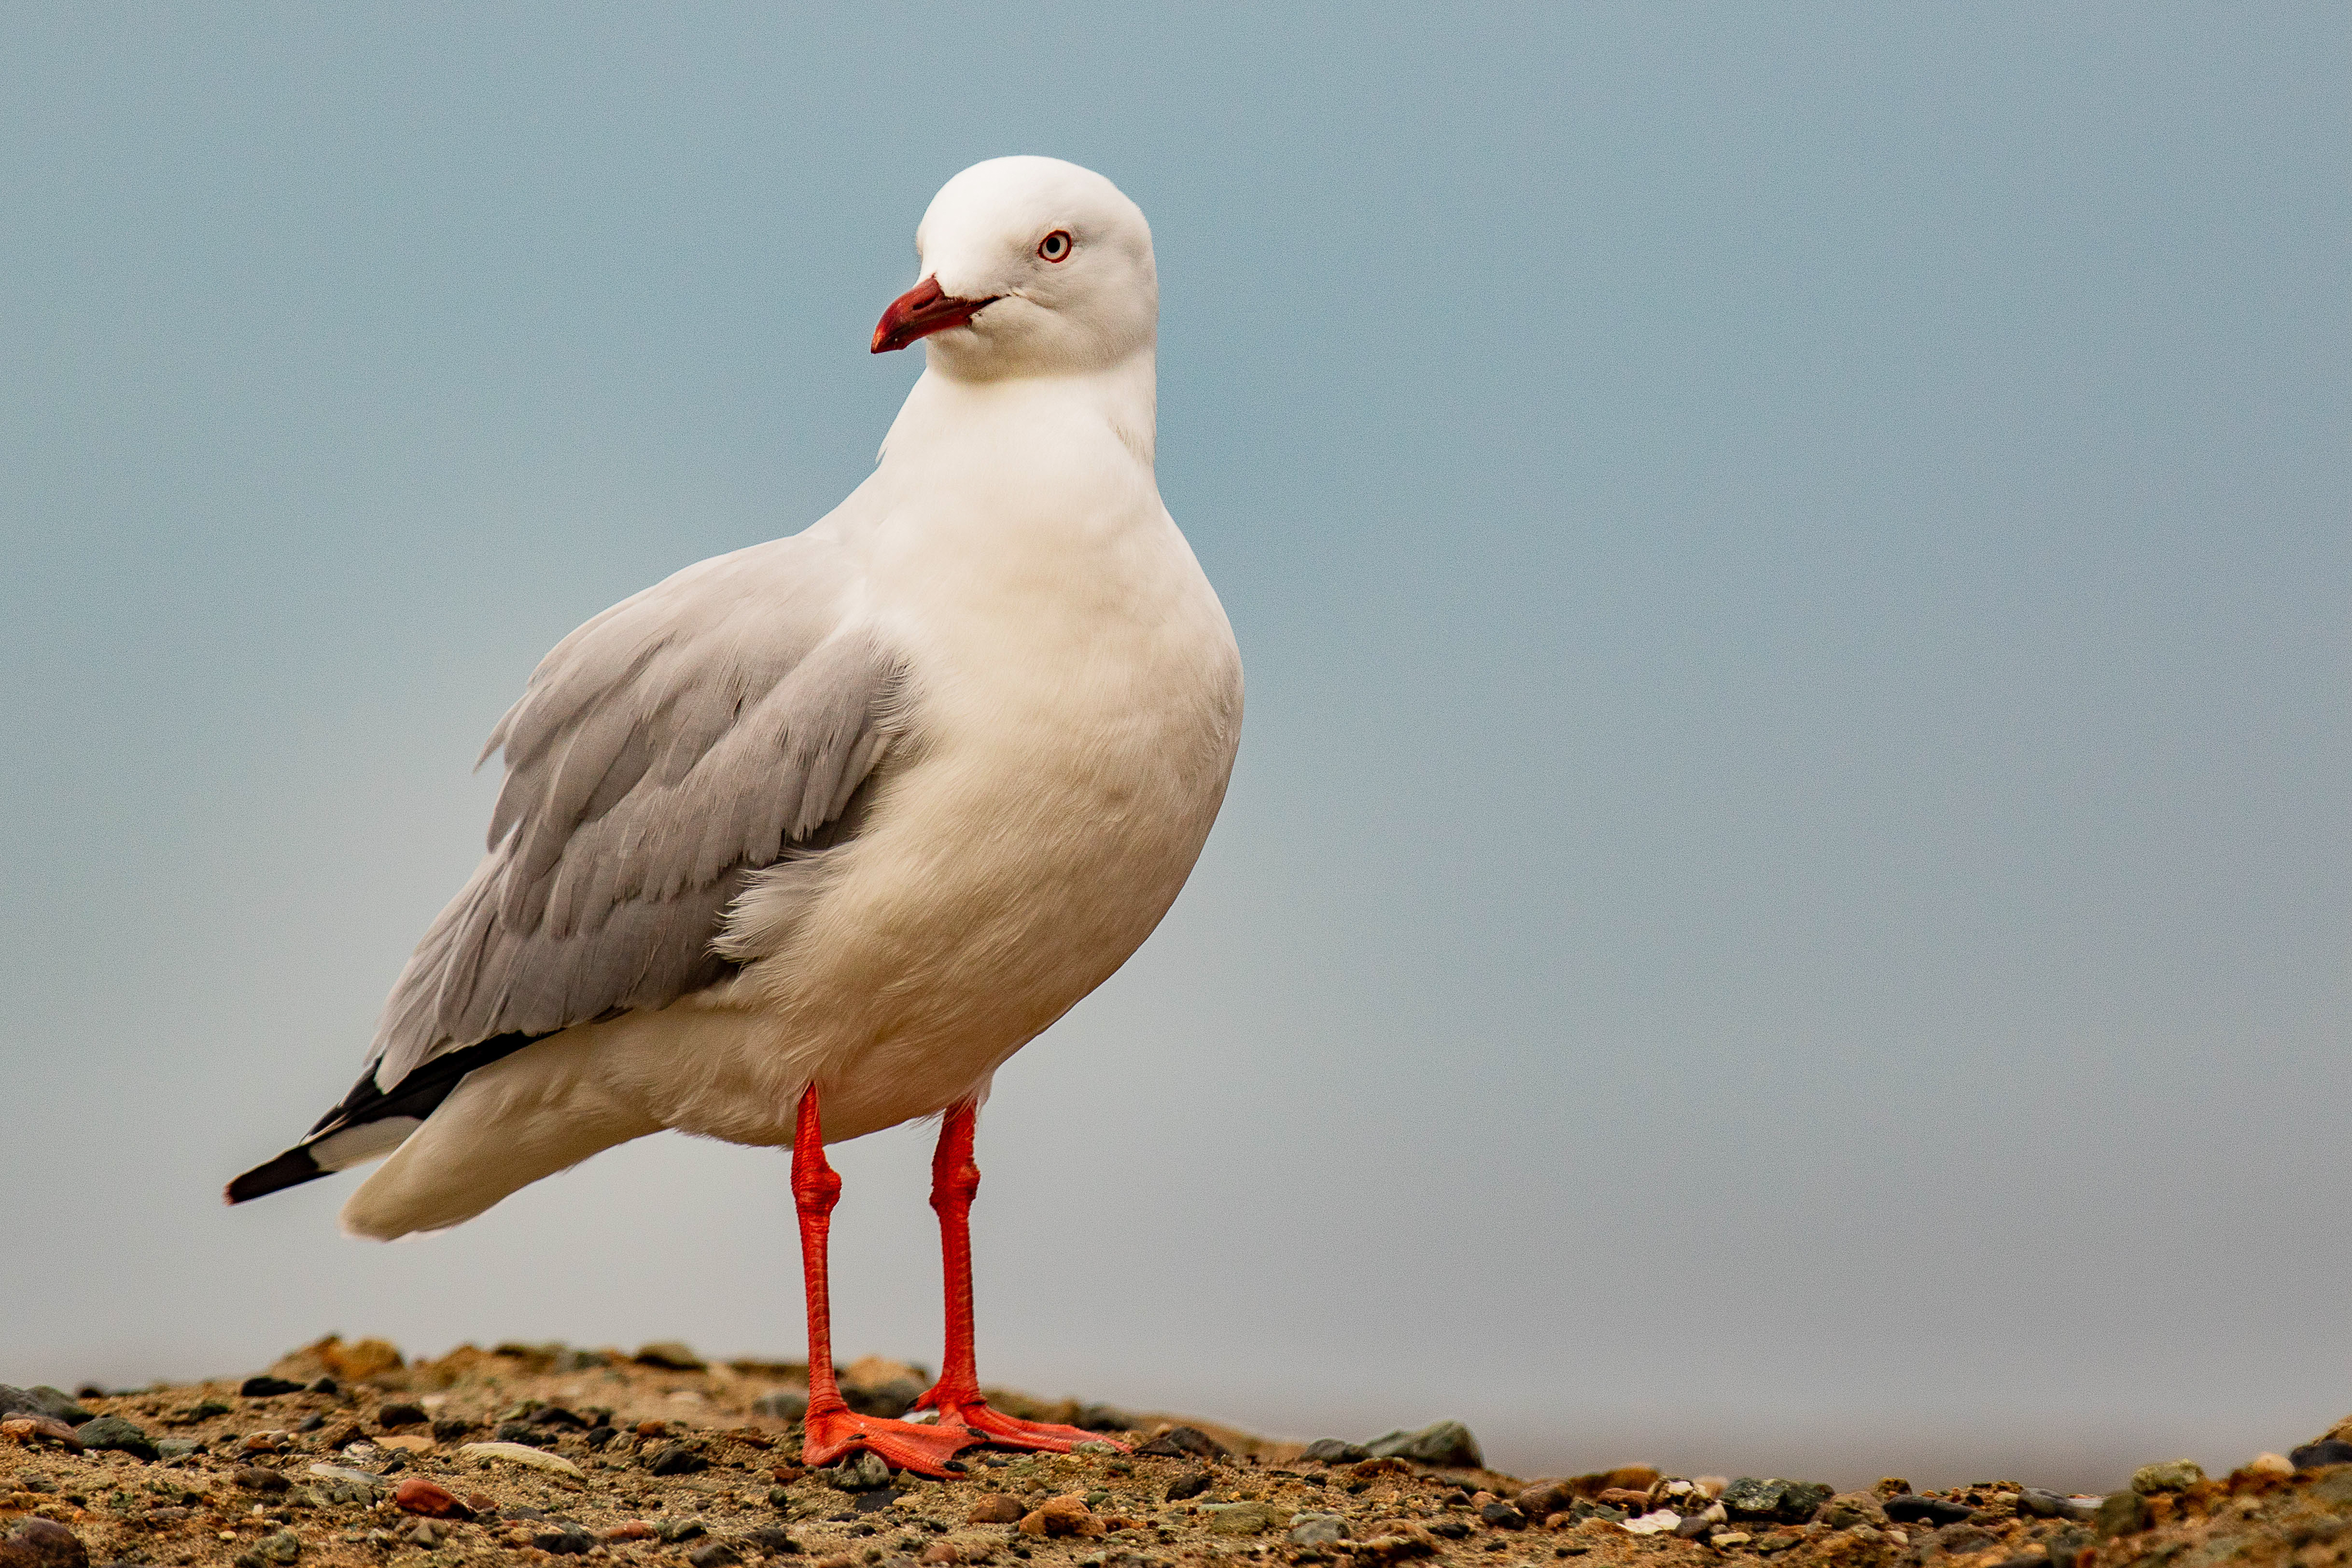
[{"x": 680, "y": 741}]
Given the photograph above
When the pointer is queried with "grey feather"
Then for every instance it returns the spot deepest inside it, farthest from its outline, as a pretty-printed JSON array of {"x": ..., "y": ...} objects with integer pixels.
[{"x": 719, "y": 726}]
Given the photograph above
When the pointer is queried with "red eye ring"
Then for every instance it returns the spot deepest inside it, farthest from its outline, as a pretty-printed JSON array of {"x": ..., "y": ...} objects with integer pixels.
[{"x": 1057, "y": 247}]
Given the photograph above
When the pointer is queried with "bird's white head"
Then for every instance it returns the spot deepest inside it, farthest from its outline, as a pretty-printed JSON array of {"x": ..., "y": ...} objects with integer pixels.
[{"x": 1028, "y": 267}]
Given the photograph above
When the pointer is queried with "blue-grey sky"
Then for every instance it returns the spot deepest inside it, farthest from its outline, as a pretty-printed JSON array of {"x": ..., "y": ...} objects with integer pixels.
[{"x": 1783, "y": 904}]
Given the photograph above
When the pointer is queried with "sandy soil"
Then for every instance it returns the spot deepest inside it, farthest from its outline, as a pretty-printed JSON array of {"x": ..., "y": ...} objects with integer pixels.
[{"x": 679, "y": 1465}]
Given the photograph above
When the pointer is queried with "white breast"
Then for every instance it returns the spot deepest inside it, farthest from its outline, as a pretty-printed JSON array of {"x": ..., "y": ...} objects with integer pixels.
[{"x": 1074, "y": 711}]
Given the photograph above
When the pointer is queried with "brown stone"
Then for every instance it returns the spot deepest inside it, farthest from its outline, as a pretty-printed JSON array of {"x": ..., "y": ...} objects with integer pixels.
[
  {"x": 628, "y": 1530},
  {"x": 1372, "y": 1470},
  {"x": 266, "y": 1442},
  {"x": 994, "y": 1508},
  {"x": 407, "y": 1442},
  {"x": 787, "y": 1474},
  {"x": 1623, "y": 1496},
  {"x": 1394, "y": 1541},
  {"x": 31, "y": 1429},
  {"x": 1062, "y": 1516},
  {"x": 651, "y": 1428},
  {"x": 1631, "y": 1479},
  {"x": 1544, "y": 1498},
  {"x": 941, "y": 1551},
  {"x": 43, "y": 1544},
  {"x": 417, "y": 1495}
]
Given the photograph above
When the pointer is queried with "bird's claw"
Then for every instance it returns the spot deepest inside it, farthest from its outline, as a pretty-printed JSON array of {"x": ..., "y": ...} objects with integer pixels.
[
  {"x": 828, "y": 1435},
  {"x": 1001, "y": 1431}
]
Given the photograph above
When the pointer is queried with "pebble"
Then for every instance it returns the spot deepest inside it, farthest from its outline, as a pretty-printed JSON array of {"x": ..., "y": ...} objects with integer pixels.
[
  {"x": 1445, "y": 1443},
  {"x": 1658, "y": 1523},
  {"x": 42, "y": 1400},
  {"x": 1191, "y": 1484},
  {"x": 1182, "y": 1442},
  {"x": 2123, "y": 1513},
  {"x": 863, "y": 1471},
  {"x": 1316, "y": 1530},
  {"x": 1335, "y": 1451},
  {"x": 253, "y": 1478},
  {"x": 669, "y": 1460},
  {"x": 629, "y": 1529},
  {"x": 2034, "y": 1503},
  {"x": 569, "y": 1542},
  {"x": 2327, "y": 1451},
  {"x": 31, "y": 1429},
  {"x": 112, "y": 1432},
  {"x": 266, "y": 1387},
  {"x": 2171, "y": 1476},
  {"x": 1769, "y": 1497},
  {"x": 516, "y": 1453},
  {"x": 942, "y": 1551},
  {"x": 417, "y": 1495},
  {"x": 994, "y": 1508},
  {"x": 1063, "y": 1516},
  {"x": 43, "y": 1544},
  {"x": 1240, "y": 1518},
  {"x": 1846, "y": 1510},
  {"x": 713, "y": 1554},
  {"x": 1910, "y": 1509},
  {"x": 1500, "y": 1515},
  {"x": 391, "y": 1416}
]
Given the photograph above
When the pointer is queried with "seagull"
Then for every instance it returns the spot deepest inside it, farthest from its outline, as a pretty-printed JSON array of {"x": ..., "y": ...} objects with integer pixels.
[{"x": 804, "y": 841}]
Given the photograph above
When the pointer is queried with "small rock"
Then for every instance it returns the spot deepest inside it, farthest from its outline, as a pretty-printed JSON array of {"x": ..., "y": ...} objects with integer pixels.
[
  {"x": 1499, "y": 1515},
  {"x": 282, "y": 1546},
  {"x": 517, "y": 1454},
  {"x": 994, "y": 1508},
  {"x": 767, "y": 1541},
  {"x": 2171, "y": 1476},
  {"x": 393, "y": 1416},
  {"x": 571, "y": 1541},
  {"x": 178, "y": 1447},
  {"x": 2123, "y": 1513},
  {"x": 1656, "y": 1523},
  {"x": 255, "y": 1479},
  {"x": 417, "y": 1495},
  {"x": 1316, "y": 1530},
  {"x": 1335, "y": 1451},
  {"x": 42, "y": 1400},
  {"x": 942, "y": 1553},
  {"x": 1624, "y": 1498},
  {"x": 1102, "y": 1418},
  {"x": 671, "y": 1356},
  {"x": 1725, "y": 1539},
  {"x": 43, "y": 1544},
  {"x": 267, "y": 1387},
  {"x": 713, "y": 1554},
  {"x": 2327, "y": 1451},
  {"x": 784, "y": 1404},
  {"x": 673, "y": 1531},
  {"x": 863, "y": 1471},
  {"x": 1908, "y": 1508},
  {"x": 2278, "y": 1465},
  {"x": 1544, "y": 1498},
  {"x": 2034, "y": 1503},
  {"x": 556, "y": 1416},
  {"x": 1694, "y": 1526},
  {"x": 1239, "y": 1518},
  {"x": 449, "y": 1428},
  {"x": 267, "y": 1443},
  {"x": 628, "y": 1530},
  {"x": 30, "y": 1430},
  {"x": 673, "y": 1459},
  {"x": 425, "y": 1534},
  {"x": 1180, "y": 1442},
  {"x": 115, "y": 1434},
  {"x": 1191, "y": 1484},
  {"x": 1444, "y": 1444},
  {"x": 1846, "y": 1510}
]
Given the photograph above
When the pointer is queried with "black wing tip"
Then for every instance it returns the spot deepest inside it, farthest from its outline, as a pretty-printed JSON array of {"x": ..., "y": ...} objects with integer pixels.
[{"x": 290, "y": 1169}]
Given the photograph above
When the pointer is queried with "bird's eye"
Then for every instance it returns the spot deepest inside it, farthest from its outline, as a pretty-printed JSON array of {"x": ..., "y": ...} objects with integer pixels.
[{"x": 1056, "y": 246}]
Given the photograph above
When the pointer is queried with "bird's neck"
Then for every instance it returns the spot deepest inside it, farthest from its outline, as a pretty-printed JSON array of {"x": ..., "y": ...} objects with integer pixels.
[{"x": 1123, "y": 399}]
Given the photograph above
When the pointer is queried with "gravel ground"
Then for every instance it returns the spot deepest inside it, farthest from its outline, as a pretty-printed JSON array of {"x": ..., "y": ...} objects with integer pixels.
[{"x": 352, "y": 1459}]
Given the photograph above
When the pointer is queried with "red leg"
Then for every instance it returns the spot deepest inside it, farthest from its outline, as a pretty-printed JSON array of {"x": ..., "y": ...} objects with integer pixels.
[
  {"x": 956, "y": 1397},
  {"x": 831, "y": 1429}
]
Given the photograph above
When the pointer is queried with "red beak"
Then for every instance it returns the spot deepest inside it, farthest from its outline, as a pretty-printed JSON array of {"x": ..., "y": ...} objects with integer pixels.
[{"x": 921, "y": 310}]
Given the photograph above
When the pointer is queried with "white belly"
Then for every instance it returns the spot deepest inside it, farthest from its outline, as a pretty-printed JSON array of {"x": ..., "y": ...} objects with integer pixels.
[{"x": 1070, "y": 737}]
